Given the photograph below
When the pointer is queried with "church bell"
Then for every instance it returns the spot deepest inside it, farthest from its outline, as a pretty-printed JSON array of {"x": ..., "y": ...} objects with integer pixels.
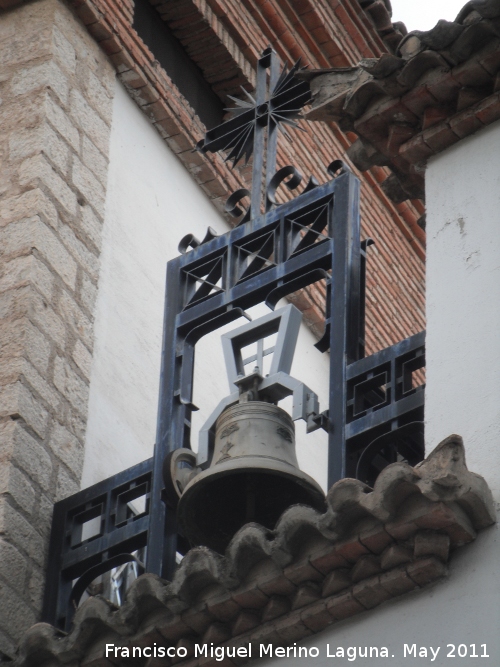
[{"x": 251, "y": 471}]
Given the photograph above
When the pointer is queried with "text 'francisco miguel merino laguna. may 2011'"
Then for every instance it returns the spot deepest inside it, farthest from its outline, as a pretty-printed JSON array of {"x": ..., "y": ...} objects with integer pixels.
[{"x": 352, "y": 653}]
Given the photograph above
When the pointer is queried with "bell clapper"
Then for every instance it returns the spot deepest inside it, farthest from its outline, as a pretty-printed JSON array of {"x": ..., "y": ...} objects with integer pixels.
[{"x": 250, "y": 493}]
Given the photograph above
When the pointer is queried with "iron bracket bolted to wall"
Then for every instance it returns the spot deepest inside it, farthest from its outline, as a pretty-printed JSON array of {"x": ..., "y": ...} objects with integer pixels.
[{"x": 375, "y": 410}]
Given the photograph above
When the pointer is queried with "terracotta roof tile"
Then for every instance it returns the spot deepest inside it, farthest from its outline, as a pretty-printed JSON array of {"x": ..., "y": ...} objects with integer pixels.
[{"x": 443, "y": 76}]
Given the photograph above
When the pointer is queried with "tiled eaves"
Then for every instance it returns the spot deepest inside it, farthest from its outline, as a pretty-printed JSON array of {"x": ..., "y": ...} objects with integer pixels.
[
  {"x": 284, "y": 585},
  {"x": 380, "y": 13},
  {"x": 443, "y": 85}
]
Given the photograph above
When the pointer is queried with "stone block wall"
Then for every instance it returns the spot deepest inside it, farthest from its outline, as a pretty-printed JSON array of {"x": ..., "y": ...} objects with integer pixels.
[{"x": 56, "y": 87}]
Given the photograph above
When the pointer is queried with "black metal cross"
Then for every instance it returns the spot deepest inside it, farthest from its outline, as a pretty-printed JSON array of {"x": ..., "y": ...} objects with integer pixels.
[{"x": 279, "y": 98}]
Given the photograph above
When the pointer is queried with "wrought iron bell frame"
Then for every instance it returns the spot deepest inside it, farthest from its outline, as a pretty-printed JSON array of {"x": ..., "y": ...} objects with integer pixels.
[{"x": 315, "y": 236}]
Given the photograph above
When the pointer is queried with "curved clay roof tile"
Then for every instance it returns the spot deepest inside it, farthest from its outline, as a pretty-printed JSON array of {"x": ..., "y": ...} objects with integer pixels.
[{"x": 488, "y": 9}]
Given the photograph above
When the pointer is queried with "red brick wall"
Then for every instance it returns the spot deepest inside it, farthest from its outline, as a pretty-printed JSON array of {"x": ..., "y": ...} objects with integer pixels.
[{"x": 225, "y": 38}]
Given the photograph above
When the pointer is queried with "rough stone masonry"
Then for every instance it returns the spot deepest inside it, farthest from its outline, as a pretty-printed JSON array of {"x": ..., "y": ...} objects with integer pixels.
[{"x": 56, "y": 88}]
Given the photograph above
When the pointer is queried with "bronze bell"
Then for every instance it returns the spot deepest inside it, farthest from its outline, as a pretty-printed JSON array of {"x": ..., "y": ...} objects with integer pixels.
[
  {"x": 254, "y": 476},
  {"x": 252, "y": 473}
]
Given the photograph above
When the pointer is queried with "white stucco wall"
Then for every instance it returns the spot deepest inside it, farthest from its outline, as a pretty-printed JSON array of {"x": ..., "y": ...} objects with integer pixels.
[
  {"x": 151, "y": 203},
  {"x": 463, "y": 300}
]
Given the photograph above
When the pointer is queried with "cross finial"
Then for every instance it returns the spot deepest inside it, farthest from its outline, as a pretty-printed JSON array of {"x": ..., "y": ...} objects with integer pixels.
[{"x": 278, "y": 100}]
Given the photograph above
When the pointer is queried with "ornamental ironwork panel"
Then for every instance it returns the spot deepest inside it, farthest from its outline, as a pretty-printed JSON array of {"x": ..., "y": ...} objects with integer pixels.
[{"x": 94, "y": 531}]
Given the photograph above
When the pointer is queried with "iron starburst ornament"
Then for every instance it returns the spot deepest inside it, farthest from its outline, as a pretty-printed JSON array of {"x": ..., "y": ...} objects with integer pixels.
[
  {"x": 279, "y": 98},
  {"x": 237, "y": 135}
]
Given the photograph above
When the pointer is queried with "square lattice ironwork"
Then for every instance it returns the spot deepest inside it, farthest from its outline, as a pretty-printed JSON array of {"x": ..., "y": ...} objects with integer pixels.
[
  {"x": 308, "y": 227},
  {"x": 258, "y": 253}
]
